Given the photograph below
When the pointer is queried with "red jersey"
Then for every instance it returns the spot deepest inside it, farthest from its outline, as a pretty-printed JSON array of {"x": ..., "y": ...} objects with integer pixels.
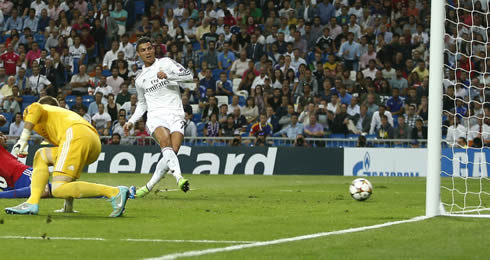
[
  {"x": 9, "y": 60},
  {"x": 10, "y": 168}
]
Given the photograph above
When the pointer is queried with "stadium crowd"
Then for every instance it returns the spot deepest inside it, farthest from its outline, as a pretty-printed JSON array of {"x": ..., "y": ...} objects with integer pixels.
[{"x": 296, "y": 69}]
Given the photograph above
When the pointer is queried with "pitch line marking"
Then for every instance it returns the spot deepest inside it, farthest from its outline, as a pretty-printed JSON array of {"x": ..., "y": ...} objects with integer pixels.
[
  {"x": 130, "y": 239},
  {"x": 283, "y": 240}
]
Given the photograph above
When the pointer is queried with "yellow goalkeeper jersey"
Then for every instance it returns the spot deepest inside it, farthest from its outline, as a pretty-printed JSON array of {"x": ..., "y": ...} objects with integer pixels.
[{"x": 51, "y": 122}]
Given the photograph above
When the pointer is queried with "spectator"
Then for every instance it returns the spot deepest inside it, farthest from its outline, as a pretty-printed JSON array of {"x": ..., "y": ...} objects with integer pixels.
[
  {"x": 395, "y": 104},
  {"x": 118, "y": 126},
  {"x": 55, "y": 72},
  {"x": 132, "y": 102},
  {"x": 93, "y": 108},
  {"x": 350, "y": 53},
  {"x": 14, "y": 22},
  {"x": 411, "y": 117},
  {"x": 11, "y": 104},
  {"x": 260, "y": 80},
  {"x": 211, "y": 56},
  {"x": 115, "y": 139},
  {"x": 228, "y": 127},
  {"x": 142, "y": 133},
  {"x": 371, "y": 70},
  {"x": 124, "y": 95},
  {"x": 255, "y": 50},
  {"x": 80, "y": 82},
  {"x": 22, "y": 81},
  {"x": 9, "y": 60},
  {"x": 325, "y": 10},
  {"x": 239, "y": 120},
  {"x": 37, "y": 81},
  {"x": 78, "y": 53},
  {"x": 38, "y": 6},
  {"x": 340, "y": 121},
  {"x": 361, "y": 121},
  {"x": 17, "y": 126},
  {"x": 102, "y": 121},
  {"x": 33, "y": 54},
  {"x": 115, "y": 81},
  {"x": 402, "y": 131},
  {"x": 110, "y": 55},
  {"x": 454, "y": 131},
  {"x": 224, "y": 87},
  {"x": 79, "y": 104},
  {"x": 376, "y": 119},
  {"x": 87, "y": 41},
  {"x": 120, "y": 58},
  {"x": 293, "y": 129},
  {"x": 250, "y": 111},
  {"x": 420, "y": 131},
  {"x": 103, "y": 88},
  {"x": 223, "y": 113},
  {"x": 421, "y": 71},
  {"x": 261, "y": 128},
  {"x": 384, "y": 130},
  {"x": 113, "y": 108},
  {"x": 127, "y": 47},
  {"x": 399, "y": 82},
  {"x": 190, "y": 129},
  {"x": 207, "y": 82},
  {"x": 313, "y": 129},
  {"x": 120, "y": 16},
  {"x": 6, "y": 89},
  {"x": 212, "y": 128},
  {"x": 235, "y": 104},
  {"x": 344, "y": 97},
  {"x": 211, "y": 108},
  {"x": 30, "y": 19}
]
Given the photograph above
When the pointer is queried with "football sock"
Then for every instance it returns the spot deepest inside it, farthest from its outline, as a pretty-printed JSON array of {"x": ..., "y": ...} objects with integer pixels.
[
  {"x": 172, "y": 162},
  {"x": 81, "y": 189},
  {"x": 40, "y": 176},
  {"x": 160, "y": 170},
  {"x": 17, "y": 193}
]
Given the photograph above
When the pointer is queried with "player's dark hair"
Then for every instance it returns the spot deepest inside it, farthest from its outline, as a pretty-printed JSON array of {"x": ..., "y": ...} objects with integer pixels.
[
  {"x": 48, "y": 100},
  {"x": 141, "y": 41}
]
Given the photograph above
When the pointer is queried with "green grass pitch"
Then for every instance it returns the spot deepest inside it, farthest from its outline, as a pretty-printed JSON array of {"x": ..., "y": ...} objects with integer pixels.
[{"x": 234, "y": 209}]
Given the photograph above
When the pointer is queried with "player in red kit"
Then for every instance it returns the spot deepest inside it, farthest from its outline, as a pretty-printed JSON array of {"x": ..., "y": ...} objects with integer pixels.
[
  {"x": 15, "y": 177},
  {"x": 9, "y": 60}
]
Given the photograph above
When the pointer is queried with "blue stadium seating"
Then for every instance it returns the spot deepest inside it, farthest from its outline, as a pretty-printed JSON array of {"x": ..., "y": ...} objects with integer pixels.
[
  {"x": 70, "y": 100},
  {"x": 200, "y": 129},
  {"x": 87, "y": 100},
  {"x": 139, "y": 7},
  {"x": 196, "y": 118},
  {"x": 27, "y": 100},
  {"x": 5, "y": 128},
  {"x": 336, "y": 136}
]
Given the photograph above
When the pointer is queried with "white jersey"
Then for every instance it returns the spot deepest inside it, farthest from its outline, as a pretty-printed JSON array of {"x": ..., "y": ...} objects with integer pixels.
[{"x": 159, "y": 96}]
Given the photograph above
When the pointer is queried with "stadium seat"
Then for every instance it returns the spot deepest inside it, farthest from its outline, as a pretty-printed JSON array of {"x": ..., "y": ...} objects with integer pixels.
[
  {"x": 336, "y": 136},
  {"x": 352, "y": 136},
  {"x": 87, "y": 100},
  {"x": 196, "y": 118},
  {"x": 242, "y": 100},
  {"x": 196, "y": 46},
  {"x": 200, "y": 129},
  {"x": 70, "y": 100},
  {"x": 216, "y": 73},
  {"x": 222, "y": 100},
  {"x": 370, "y": 136},
  {"x": 5, "y": 128},
  {"x": 139, "y": 7},
  {"x": 26, "y": 101},
  {"x": 106, "y": 73}
]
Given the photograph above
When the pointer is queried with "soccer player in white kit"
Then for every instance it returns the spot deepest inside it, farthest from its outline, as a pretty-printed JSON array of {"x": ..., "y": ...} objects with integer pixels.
[{"x": 158, "y": 91}]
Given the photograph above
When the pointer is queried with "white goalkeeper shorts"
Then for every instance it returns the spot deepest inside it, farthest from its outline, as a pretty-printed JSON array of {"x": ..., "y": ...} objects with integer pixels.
[{"x": 174, "y": 122}]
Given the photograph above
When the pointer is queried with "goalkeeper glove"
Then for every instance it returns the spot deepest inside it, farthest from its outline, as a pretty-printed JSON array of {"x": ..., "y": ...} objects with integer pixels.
[{"x": 21, "y": 145}]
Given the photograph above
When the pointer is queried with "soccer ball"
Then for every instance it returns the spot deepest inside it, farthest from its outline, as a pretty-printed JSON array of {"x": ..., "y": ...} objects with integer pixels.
[{"x": 360, "y": 189}]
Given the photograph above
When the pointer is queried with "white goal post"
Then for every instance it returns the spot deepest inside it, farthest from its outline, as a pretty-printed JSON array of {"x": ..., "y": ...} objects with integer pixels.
[{"x": 437, "y": 204}]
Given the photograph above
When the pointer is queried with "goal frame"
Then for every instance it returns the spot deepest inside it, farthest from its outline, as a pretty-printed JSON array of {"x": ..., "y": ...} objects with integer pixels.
[
  {"x": 434, "y": 205},
  {"x": 434, "y": 135}
]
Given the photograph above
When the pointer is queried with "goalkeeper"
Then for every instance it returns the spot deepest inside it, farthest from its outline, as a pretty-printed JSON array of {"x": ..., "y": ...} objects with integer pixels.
[{"x": 76, "y": 144}]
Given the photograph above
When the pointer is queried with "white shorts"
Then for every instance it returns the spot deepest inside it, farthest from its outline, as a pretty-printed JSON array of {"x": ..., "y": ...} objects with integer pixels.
[{"x": 174, "y": 122}]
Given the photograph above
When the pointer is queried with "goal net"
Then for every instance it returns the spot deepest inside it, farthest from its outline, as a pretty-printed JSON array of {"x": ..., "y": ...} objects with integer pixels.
[{"x": 465, "y": 183}]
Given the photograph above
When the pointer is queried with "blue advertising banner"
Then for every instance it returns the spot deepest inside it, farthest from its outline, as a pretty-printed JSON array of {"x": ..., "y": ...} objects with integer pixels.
[{"x": 465, "y": 162}]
